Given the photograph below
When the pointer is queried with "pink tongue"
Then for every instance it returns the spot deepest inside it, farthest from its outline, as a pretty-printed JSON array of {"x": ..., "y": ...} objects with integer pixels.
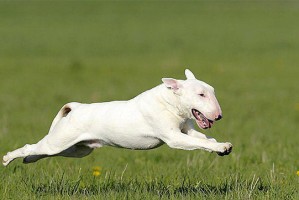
[{"x": 201, "y": 124}]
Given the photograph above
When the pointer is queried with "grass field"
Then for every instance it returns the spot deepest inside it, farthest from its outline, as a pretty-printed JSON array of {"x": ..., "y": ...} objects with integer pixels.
[{"x": 54, "y": 52}]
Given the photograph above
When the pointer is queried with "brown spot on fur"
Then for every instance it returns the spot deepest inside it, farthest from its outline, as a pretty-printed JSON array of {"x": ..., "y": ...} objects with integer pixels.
[{"x": 66, "y": 111}]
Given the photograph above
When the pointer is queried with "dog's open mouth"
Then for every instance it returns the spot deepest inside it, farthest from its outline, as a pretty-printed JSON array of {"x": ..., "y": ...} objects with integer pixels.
[{"x": 201, "y": 120}]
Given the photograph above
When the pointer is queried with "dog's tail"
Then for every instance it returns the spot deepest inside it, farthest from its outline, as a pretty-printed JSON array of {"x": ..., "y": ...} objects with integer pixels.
[{"x": 63, "y": 112}]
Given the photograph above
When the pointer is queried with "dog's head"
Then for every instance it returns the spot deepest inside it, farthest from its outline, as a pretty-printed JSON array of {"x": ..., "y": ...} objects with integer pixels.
[{"x": 197, "y": 99}]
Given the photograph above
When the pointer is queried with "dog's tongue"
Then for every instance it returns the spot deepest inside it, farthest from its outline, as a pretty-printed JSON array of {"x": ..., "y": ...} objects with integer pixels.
[{"x": 203, "y": 122}]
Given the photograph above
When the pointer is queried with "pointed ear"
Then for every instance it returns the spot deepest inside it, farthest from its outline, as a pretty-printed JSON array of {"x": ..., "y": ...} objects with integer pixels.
[
  {"x": 171, "y": 83},
  {"x": 189, "y": 74}
]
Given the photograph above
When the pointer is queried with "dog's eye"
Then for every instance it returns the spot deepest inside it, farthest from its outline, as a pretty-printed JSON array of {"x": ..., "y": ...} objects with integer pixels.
[{"x": 202, "y": 95}]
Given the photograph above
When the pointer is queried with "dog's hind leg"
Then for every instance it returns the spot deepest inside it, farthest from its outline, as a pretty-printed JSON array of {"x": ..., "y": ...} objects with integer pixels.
[
  {"x": 78, "y": 150},
  {"x": 63, "y": 134},
  {"x": 29, "y": 149},
  {"x": 51, "y": 145}
]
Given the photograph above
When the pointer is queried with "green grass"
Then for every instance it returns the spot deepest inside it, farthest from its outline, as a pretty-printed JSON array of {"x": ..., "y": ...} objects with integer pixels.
[{"x": 54, "y": 52}]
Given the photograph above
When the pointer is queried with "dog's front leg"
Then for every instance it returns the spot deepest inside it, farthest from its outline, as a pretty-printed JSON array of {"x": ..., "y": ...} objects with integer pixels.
[
  {"x": 188, "y": 129},
  {"x": 179, "y": 140},
  {"x": 196, "y": 134}
]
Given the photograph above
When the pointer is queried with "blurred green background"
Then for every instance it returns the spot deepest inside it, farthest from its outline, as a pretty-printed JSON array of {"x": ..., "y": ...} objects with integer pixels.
[{"x": 54, "y": 52}]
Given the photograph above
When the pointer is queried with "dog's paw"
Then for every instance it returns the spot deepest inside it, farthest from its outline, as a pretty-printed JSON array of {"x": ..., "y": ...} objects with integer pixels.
[
  {"x": 224, "y": 149},
  {"x": 6, "y": 160}
]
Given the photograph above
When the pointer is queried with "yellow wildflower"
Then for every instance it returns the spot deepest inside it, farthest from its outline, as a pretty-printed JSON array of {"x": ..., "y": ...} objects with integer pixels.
[
  {"x": 96, "y": 171},
  {"x": 297, "y": 173}
]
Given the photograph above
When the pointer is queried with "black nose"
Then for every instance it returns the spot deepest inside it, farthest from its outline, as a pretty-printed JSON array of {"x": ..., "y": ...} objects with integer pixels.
[{"x": 219, "y": 117}]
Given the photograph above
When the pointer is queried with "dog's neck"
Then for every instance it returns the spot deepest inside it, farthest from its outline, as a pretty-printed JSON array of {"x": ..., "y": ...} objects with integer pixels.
[{"x": 171, "y": 102}]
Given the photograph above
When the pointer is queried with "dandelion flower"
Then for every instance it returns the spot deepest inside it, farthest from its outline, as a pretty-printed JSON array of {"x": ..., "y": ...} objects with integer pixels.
[
  {"x": 96, "y": 173},
  {"x": 297, "y": 173}
]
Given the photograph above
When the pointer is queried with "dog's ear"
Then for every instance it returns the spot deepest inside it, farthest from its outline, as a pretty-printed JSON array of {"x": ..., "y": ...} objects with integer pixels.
[
  {"x": 171, "y": 83},
  {"x": 189, "y": 74}
]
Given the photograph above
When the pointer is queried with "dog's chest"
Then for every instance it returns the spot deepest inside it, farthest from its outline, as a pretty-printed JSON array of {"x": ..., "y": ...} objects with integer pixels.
[
  {"x": 150, "y": 143},
  {"x": 139, "y": 143}
]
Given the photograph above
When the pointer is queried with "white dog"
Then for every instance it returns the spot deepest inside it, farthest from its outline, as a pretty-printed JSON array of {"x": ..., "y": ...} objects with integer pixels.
[{"x": 161, "y": 115}]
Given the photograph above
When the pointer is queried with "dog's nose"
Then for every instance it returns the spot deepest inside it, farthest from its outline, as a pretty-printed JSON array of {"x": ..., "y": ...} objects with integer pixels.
[{"x": 218, "y": 117}]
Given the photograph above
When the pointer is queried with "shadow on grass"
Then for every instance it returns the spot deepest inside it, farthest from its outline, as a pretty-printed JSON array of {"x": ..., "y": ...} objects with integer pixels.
[{"x": 158, "y": 187}]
